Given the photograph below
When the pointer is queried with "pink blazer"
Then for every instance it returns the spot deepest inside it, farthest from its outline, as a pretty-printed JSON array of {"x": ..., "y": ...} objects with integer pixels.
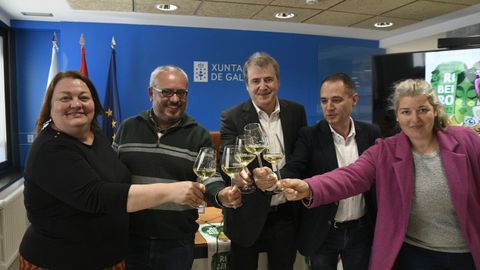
[{"x": 389, "y": 166}]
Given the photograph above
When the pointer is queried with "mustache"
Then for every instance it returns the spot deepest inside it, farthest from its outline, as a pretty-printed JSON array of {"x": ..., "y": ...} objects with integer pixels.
[
  {"x": 264, "y": 92},
  {"x": 176, "y": 104}
]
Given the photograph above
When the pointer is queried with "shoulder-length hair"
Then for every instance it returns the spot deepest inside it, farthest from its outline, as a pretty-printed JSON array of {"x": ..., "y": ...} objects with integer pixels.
[
  {"x": 44, "y": 117},
  {"x": 418, "y": 87}
]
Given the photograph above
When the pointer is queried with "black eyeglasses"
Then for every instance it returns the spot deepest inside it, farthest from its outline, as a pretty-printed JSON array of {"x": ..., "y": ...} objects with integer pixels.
[{"x": 168, "y": 92}]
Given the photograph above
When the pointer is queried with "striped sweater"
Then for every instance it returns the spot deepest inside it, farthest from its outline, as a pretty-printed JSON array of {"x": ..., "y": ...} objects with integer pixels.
[{"x": 167, "y": 159}]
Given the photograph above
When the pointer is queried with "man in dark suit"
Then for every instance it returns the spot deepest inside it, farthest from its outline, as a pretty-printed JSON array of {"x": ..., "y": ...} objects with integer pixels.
[
  {"x": 344, "y": 228},
  {"x": 266, "y": 221}
]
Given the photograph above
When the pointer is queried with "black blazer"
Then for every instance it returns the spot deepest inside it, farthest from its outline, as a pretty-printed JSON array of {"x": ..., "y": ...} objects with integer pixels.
[
  {"x": 315, "y": 154},
  {"x": 244, "y": 224}
]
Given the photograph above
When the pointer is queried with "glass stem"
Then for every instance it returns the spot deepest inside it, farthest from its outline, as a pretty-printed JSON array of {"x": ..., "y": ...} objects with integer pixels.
[
  {"x": 278, "y": 172},
  {"x": 259, "y": 160},
  {"x": 232, "y": 185}
]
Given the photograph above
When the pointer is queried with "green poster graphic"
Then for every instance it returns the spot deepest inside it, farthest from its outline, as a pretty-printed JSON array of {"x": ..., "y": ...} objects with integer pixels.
[
  {"x": 220, "y": 261},
  {"x": 453, "y": 83},
  {"x": 220, "y": 258}
]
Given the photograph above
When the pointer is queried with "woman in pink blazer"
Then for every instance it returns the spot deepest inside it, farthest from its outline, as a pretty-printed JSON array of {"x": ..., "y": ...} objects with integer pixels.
[{"x": 427, "y": 181}]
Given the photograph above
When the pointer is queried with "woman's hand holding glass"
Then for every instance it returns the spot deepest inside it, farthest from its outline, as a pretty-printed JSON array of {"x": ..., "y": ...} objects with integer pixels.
[
  {"x": 293, "y": 189},
  {"x": 205, "y": 165}
]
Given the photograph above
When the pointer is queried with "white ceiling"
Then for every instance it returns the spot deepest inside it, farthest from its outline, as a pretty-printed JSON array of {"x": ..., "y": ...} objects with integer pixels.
[{"x": 413, "y": 19}]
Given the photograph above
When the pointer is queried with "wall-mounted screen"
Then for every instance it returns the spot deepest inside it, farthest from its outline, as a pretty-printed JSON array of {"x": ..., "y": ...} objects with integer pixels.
[
  {"x": 455, "y": 77},
  {"x": 454, "y": 74},
  {"x": 386, "y": 71}
]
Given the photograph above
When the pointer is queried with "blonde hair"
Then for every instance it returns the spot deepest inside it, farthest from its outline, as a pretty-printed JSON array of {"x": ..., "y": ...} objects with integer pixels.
[{"x": 417, "y": 87}]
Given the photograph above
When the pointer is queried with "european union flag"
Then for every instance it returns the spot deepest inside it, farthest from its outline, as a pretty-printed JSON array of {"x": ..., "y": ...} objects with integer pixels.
[{"x": 112, "y": 118}]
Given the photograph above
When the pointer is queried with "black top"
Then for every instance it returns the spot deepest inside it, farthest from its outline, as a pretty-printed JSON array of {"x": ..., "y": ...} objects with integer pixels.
[{"x": 75, "y": 204}]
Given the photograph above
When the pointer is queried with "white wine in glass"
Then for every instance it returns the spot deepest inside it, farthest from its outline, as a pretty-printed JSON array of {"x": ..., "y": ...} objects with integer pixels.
[
  {"x": 205, "y": 165},
  {"x": 244, "y": 156},
  {"x": 274, "y": 155},
  {"x": 258, "y": 142},
  {"x": 204, "y": 173},
  {"x": 256, "y": 149},
  {"x": 273, "y": 158},
  {"x": 230, "y": 165},
  {"x": 232, "y": 171}
]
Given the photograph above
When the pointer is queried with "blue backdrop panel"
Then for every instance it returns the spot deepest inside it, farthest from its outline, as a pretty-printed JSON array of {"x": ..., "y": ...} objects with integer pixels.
[{"x": 141, "y": 48}]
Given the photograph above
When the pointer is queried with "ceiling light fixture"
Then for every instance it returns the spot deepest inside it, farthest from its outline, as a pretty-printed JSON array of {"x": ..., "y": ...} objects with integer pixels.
[
  {"x": 167, "y": 7},
  {"x": 284, "y": 15},
  {"x": 37, "y": 14},
  {"x": 383, "y": 24}
]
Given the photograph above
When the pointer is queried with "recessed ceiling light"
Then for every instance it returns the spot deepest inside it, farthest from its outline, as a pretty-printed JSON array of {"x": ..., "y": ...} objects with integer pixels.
[
  {"x": 284, "y": 15},
  {"x": 38, "y": 14},
  {"x": 383, "y": 24},
  {"x": 167, "y": 7}
]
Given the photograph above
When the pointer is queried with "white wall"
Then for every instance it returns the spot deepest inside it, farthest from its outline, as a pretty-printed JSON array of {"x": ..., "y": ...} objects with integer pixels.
[
  {"x": 4, "y": 17},
  {"x": 423, "y": 44}
]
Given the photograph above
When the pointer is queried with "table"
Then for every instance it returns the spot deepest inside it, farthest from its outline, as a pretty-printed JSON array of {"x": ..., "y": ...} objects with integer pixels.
[
  {"x": 211, "y": 215},
  {"x": 214, "y": 215}
]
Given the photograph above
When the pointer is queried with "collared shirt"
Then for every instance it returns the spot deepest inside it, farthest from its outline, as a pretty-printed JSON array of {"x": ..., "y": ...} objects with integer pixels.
[
  {"x": 272, "y": 126},
  {"x": 347, "y": 152}
]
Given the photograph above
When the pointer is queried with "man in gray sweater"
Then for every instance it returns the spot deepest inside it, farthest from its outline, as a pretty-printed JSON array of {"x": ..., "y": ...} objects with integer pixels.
[{"x": 160, "y": 146}]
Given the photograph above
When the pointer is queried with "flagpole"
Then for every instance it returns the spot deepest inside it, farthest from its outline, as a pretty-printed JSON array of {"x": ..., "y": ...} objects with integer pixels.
[
  {"x": 114, "y": 44},
  {"x": 112, "y": 116},
  {"x": 53, "y": 62},
  {"x": 83, "y": 61}
]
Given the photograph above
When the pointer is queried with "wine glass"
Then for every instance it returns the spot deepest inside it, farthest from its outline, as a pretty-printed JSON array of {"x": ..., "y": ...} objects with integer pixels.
[
  {"x": 274, "y": 154},
  {"x": 243, "y": 156},
  {"x": 230, "y": 165},
  {"x": 205, "y": 165},
  {"x": 258, "y": 142}
]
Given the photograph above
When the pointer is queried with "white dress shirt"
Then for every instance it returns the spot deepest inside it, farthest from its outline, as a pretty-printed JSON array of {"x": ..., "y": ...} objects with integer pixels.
[
  {"x": 272, "y": 126},
  {"x": 347, "y": 152}
]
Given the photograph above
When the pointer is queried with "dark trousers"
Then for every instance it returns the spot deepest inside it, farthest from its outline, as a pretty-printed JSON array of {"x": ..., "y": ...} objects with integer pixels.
[
  {"x": 156, "y": 254},
  {"x": 277, "y": 239},
  {"x": 416, "y": 258},
  {"x": 351, "y": 241}
]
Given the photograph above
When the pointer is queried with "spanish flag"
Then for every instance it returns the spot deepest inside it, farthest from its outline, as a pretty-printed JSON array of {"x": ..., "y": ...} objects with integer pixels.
[{"x": 83, "y": 62}]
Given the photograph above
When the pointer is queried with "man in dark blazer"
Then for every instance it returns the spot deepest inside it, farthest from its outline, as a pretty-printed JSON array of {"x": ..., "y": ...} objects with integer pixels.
[
  {"x": 266, "y": 221},
  {"x": 344, "y": 228}
]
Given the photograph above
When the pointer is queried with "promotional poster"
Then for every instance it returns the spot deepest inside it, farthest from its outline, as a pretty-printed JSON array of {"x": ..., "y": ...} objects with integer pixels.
[{"x": 455, "y": 76}]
